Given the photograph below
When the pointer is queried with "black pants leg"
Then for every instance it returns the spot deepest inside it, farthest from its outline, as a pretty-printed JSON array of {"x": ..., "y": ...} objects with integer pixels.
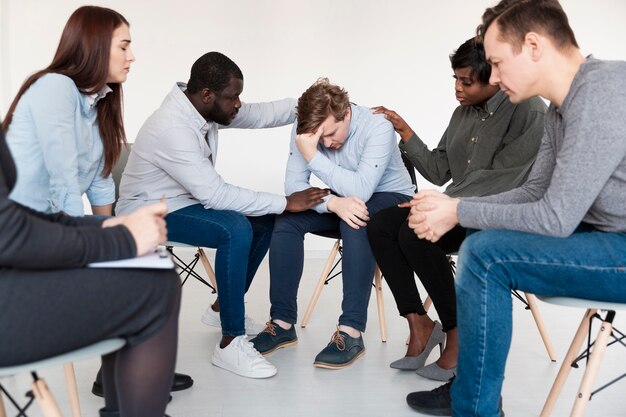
[{"x": 400, "y": 254}]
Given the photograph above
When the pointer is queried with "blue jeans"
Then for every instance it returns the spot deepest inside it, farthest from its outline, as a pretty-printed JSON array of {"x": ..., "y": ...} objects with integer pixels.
[
  {"x": 241, "y": 244},
  {"x": 588, "y": 264},
  {"x": 287, "y": 259}
]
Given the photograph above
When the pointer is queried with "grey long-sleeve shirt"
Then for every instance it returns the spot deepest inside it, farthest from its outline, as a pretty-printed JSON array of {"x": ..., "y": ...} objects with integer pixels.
[
  {"x": 175, "y": 152},
  {"x": 580, "y": 171},
  {"x": 483, "y": 151}
]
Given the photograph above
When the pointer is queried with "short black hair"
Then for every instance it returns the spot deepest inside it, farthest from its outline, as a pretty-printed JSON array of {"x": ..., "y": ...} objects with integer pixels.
[
  {"x": 212, "y": 70},
  {"x": 472, "y": 54}
]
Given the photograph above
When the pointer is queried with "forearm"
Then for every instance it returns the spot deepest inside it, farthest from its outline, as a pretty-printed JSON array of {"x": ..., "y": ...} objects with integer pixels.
[{"x": 432, "y": 165}]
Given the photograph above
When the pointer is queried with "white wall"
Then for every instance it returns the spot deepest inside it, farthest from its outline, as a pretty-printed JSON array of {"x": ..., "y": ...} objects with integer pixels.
[{"x": 393, "y": 53}]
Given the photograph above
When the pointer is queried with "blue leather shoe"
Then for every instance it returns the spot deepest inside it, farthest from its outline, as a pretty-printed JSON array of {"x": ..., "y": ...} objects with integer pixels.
[
  {"x": 341, "y": 352},
  {"x": 274, "y": 337}
]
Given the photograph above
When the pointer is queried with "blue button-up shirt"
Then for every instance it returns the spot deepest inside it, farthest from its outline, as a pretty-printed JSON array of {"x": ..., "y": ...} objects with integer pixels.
[
  {"x": 368, "y": 162},
  {"x": 57, "y": 148}
]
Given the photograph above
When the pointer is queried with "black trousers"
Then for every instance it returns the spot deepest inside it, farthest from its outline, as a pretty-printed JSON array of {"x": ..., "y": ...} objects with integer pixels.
[
  {"x": 46, "y": 313},
  {"x": 400, "y": 253}
]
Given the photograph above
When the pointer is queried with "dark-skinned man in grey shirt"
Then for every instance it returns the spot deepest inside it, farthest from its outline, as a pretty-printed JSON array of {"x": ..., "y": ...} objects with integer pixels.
[{"x": 562, "y": 233}]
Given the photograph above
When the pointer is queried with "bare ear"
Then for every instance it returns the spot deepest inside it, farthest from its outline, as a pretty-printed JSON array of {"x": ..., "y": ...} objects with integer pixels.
[
  {"x": 207, "y": 96},
  {"x": 534, "y": 43}
]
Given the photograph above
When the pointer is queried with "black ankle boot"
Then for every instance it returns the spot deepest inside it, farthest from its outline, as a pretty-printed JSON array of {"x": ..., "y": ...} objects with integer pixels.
[{"x": 106, "y": 413}]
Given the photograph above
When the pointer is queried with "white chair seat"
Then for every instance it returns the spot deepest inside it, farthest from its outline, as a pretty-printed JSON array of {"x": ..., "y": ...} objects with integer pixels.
[
  {"x": 583, "y": 303},
  {"x": 95, "y": 350}
]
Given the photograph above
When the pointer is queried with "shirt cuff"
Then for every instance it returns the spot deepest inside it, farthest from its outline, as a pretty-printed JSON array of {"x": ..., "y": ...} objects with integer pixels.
[{"x": 412, "y": 146}]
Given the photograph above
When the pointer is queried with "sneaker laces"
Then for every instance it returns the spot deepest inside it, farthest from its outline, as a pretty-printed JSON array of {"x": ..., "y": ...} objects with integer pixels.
[
  {"x": 443, "y": 388},
  {"x": 246, "y": 347},
  {"x": 339, "y": 340},
  {"x": 269, "y": 328}
]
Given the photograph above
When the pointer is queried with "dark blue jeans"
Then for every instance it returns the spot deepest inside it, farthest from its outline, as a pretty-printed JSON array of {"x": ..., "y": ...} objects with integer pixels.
[
  {"x": 241, "y": 244},
  {"x": 588, "y": 264},
  {"x": 287, "y": 258}
]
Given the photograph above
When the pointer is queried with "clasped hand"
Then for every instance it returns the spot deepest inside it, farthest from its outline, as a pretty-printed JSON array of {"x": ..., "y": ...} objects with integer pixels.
[{"x": 432, "y": 214}]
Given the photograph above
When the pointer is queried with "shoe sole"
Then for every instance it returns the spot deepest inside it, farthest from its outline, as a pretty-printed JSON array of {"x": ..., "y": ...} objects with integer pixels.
[
  {"x": 279, "y": 346},
  {"x": 433, "y": 411},
  {"x": 326, "y": 365},
  {"x": 210, "y": 322},
  {"x": 227, "y": 367}
]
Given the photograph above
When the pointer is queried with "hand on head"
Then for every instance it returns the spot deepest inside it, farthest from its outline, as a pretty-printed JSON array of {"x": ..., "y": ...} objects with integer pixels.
[{"x": 307, "y": 143}]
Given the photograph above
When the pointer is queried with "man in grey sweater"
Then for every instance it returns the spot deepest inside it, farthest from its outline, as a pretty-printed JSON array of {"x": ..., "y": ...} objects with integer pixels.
[{"x": 562, "y": 233}]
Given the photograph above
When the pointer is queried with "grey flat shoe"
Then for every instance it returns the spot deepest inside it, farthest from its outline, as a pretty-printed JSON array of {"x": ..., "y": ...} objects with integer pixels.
[
  {"x": 435, "y": 372},
  {"x": 412, "y": 363}
]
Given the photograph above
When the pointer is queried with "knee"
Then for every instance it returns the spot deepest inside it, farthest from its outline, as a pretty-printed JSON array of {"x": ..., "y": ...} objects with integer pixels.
[
  {"x": 407, "y": 237},
  {"x": 289, "y": 223},
  {"x": 481, "y": 245},
  {"x": 238, "y": 228},
  {"x": 376, "y": 229}
]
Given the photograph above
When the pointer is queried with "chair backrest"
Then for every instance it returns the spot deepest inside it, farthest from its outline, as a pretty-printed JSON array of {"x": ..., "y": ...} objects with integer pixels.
[
  {"x": 118, "y": 169},
  {"x": 409, "y": 167}
]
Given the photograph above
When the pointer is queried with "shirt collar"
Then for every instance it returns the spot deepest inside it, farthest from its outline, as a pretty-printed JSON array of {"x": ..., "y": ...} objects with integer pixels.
[
  {"x": 179, "y": 96},
  {"x": 93, "y": 99},
  {"x": 492, "y": 105}
]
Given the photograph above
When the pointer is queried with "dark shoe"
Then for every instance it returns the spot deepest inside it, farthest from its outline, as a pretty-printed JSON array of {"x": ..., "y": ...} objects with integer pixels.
[
  {"x": 274, "y": 337},
  {"x": 341, "y": 352},
  {"x": 181, "y": 382},
  {"x": 436, "y": 402},
  {"x": 106, "y": 413}
]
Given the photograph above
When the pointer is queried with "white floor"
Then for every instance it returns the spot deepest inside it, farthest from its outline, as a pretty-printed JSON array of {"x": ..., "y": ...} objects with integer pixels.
[{"x": 368, "y": 388}]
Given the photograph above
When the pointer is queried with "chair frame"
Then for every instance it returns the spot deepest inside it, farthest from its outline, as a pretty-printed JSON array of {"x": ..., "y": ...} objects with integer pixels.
[
  {"x": 530, "y": 302},
  {"x": 187, "y": 269},
  {"x": 40, "y": 391},
  {"x": 593, "y": 353},
  {"x": 326, "y": 277}
]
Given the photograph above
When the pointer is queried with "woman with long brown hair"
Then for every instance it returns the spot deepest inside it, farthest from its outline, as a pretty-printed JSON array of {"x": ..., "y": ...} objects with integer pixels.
[{"x": 65, "y": 127}]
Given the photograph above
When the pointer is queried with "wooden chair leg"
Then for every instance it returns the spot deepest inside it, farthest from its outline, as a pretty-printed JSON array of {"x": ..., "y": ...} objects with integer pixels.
[
  {"x": 589, "y": 377},
  {"x": 378, "y": 285},
  {"x": 207, "y": 267},
  {"x": 48, "y": 406},
  {"x": 566, "y": 367},
  {"x": 427, "y": 303},
  {"x": 3, "y": 411},
  {"x": 320, "y": 284},
  {"x": 72, "y": 389},
  {"x": 532, "y": 304}
]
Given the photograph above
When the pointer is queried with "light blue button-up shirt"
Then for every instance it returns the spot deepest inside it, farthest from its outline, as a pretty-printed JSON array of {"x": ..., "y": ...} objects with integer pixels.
[
  {"x": 57, "y": 148},
  {"x": 175, "y": 153},
  {"x": 368, "y": 162}
]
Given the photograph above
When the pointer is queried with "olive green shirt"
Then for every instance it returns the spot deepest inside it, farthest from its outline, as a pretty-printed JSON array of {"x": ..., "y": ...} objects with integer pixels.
[{"x": 483, "y": 151}]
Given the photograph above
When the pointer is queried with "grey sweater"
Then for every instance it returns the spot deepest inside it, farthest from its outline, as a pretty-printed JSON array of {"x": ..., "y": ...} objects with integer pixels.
[{"x": 580, "y": 172}]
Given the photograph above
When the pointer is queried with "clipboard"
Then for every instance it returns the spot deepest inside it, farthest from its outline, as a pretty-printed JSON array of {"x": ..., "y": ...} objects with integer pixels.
[{"x": 159, "y": 259}]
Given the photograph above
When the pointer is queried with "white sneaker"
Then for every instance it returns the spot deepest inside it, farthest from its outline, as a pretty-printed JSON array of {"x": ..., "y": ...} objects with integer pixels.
[
  {"x": 241, "y": 358},
  {"x": 212, "y": 318}
]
